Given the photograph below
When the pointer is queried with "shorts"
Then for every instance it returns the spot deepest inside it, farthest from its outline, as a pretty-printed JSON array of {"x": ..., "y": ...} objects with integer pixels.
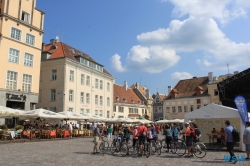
[
  {"x": 188, "y": 140},
  {"x": 141, "y": 140},
  {"x": 247, "y": 147},
  {"x": 96, "y": 140}
]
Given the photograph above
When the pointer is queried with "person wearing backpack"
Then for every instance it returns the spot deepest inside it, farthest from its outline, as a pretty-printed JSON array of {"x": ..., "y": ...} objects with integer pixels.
[
  {"x": 229, "y": 142},
  {"x": 188, "y": 139},
  {"x": 175, "y": 133},
  {"x": 142, "y": 136}
]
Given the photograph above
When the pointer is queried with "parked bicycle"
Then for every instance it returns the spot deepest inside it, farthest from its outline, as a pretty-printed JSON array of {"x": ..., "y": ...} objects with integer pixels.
[
  {"x": 104, "y": 146},
  {"x": 119, "y": 146}
]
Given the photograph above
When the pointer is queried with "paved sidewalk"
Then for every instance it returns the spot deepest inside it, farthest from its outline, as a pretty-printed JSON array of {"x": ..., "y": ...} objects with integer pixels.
[{"x": 78, "y": 151}]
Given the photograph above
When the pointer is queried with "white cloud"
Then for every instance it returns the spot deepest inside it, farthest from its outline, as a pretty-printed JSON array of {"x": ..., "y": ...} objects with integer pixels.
[
  {"x": 116, "y": 63},
  {"x": 181, "y": 75}
]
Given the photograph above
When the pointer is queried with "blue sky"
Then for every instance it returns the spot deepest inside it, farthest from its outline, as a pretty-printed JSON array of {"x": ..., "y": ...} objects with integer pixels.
[{"x": 154, "y": 42}]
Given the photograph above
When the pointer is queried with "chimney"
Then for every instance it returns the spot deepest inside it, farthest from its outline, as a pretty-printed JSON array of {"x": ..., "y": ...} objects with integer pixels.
[
  {"x": 210, "y": 76},
  {"x": 236, "y": 72},
  {"x": 199, "y": 90},
  {"x": 147, "y": 93},
  {"x": 43, "y": 47},
  {"x": 52, "y": 41},
  {"x": 174, "y": 93},
  {"x": 125, "y": 85},
  {"x": 169, "y": 89},
  {"x": 57, "y": 39},
  {"x": 136, "y": 85}
]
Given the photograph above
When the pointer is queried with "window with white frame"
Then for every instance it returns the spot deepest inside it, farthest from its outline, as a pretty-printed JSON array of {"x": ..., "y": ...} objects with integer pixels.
[
  {"x": 167, "y": 109},
  {"x": 11, "y": 82},
  {"x": 96, "y": 83},
  {"x": 114, "y": 109},
  {"x": 13, "y": 55},
  {"x": 15, "y": 34},
  {"x": 96, "y": 112},
  {"x": 81, "y": 111},
  {"x": 101, "y": 84},
  {"x": 25, "y": 17},
  {"x": 101, "y": 100},
  {"x": 82, "y": 79},
  {"x": 87, "y": 98},
  {"x": 96, "y": 99},
  {"x": 53, "y": 74},
  {"x": 87, "y": 111},
  {"x": 71, "y": 93},
  {"x": 100, "y": 113},
  {"x": 185, "y": 108},
  {"x": 121, "y": 109},
  {"x": 30, "y": 39},
  {"x": 173, "y": 110},
  {"x": 191, "y": 108},
  {"x": 70, "y": 109},
  {"x": 108, "y": 101},
  {"x": 52, "y": 95},
  {"x": 107, "y": 114},
  {"x": 71, "y": 76},
  {"x": 142, "y": 111},
  {"x": 82, "y": 97},
  {"x": 27, "y": 80},
  {"x": 108, "y": 87},
  {"x": 28, "y": 60},
  {"x": 88, "y": 81},
  {"x": 179, "y": 109},
  {"x": 133, "y": 110}
]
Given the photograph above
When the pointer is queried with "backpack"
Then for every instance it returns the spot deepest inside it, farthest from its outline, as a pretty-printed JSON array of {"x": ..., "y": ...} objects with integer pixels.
[
  {"x": 143, "y": 133},
  {"x": 236, "y": 135},
  {"x": 192, "y": 132}
]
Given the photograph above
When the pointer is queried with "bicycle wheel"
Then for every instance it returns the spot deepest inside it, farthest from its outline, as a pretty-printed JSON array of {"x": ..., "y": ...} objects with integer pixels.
[
  {"x": 113, "y": 148},
  {"x": 148, "y": 150},
  {"x": 135, "y": 150},
  {"x": 104, "y": 146},
  {"x": 200, "y": 150},
  {"x": 180, "y": 149},
  {"x": 158, "y": 151},
  {"x": 123, "y": 149},
  {"x": 173, "y": 147},
  {"x": 130, "y": 143}
]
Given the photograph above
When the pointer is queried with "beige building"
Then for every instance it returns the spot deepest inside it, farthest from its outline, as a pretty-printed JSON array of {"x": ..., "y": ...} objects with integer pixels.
[
  {"x": 21, "y": 32},
  {"x": 186, "y": 96},
  {"x": 71, "y": 80},
  {"x": 212, "y": 86},
  {"x": 127, "y": 104}
]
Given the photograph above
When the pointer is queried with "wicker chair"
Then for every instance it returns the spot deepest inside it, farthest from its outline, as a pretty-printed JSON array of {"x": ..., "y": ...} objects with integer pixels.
[
  {"x": 59, "y": 133},
  {"x": 45, "y": 133},
  {"x": 4, "y": 135},
  {"x": 75, "y": 132}
]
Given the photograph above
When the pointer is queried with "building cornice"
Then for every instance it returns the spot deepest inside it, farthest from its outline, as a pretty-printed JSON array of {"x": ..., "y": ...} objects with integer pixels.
[{"x": 205, "y": 96}]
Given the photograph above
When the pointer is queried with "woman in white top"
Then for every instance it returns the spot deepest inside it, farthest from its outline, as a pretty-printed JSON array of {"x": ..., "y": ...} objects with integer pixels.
[{"x": 150, "y": 135}]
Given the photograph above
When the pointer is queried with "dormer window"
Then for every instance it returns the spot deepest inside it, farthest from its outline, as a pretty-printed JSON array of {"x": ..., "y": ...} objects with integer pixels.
[
  {"x": 53, "y": 47},
  {"x": 132, "y": 100},
  {"x": 124, "y": 99},
  {"x": 139, "y": 102},
  {"x": 157, "y": 100},
  {"x": 73, "y": 51},
  {"x": 117, "y": 98}
]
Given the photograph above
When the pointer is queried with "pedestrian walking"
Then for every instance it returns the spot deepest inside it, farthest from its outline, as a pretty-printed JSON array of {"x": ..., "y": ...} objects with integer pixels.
[
  {"x": 110, "y": 132},
  {"x": 229, "y": 142},
  {"x": 246, "y": 139}
]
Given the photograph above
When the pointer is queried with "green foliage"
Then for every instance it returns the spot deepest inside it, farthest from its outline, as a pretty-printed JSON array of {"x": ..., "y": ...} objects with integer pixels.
[
  {"x": 4, "y": 127},
  {"x": 19, "y": 127}
]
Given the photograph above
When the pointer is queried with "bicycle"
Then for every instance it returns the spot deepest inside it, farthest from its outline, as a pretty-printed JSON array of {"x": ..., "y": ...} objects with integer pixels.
[
  {"x": 118, "y": 146},
  {"x": 146, "y": 149},
  {"x": 155, "y": 146},
  {"x": 104, "y": 146},
  {"x": 198, "y": 149}
]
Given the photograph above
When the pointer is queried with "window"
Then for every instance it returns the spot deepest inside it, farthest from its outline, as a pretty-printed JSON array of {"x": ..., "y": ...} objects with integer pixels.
[
  {"x": 82, "y": 97},
  {"x": 173, "y": 110},
  {"x": 15, "y": 34},
  {"x": 198, "y": 101},
  {"x": 100, "y": 114},
  {"x": 108, "y": 101},
  {"x": 11, "y": 80},
  {"x": 52, "y": 95},
  {"x": 88, "y": 81},
  {"x": 87, "y": 98},
  {"x": 30, "y": 39},
  {"x": 216, "y": 93},
  {"x": 179, "y": 109},
  {"x": 101, "y": 100},
  {"x": 157, "y": 100},
  {"x": 100, "y": 84},
  {"x": 191, "y": 108},
  {"x": 13, "y": 55},
  {"x": 185, "y": 108},
  {"x": 81, "y": 111},
  {"x": 159, "y": 109},
  {"x": 71, "y": 92},
  {"x": 96, "y": 99},
  {"x": 121, "y": 109},
  {"x": 142, "y": 111},
  {"x": 198, "y": 106},
  {"x": 87, "y": 111},
  {"x": 71, "y": 76},
  {"x": 25, "y": 17},
  {"x": 96, "y": 83},
  {"x": 82, "y": 79},
  {"x": 53, "y": 74},
  {"x": 114, "y": 109},
  {"x": 70, "y": 109},
  {"x": 120, "y": 116},
  {"x": 133, "y": 110},
  {"x": 107, "y": 114},
  {"x": 28, "y": 60},
  {"x": 108, "y": 87},
  {"x": 167, "y": 109},
  {"x": 155, "y": 110},
  {"x": 96, "y": 112},
  {"x": 26, "y": 83}
]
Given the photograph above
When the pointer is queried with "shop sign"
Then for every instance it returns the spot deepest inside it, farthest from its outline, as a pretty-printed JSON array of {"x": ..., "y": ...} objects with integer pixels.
[{"x": 10, "y": 96}]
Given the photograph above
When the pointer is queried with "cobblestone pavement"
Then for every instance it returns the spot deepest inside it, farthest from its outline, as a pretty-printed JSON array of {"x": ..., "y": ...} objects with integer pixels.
[{"x": 78, "y": 151}]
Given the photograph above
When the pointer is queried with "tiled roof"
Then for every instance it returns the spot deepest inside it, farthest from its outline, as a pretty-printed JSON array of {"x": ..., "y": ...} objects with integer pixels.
[
  {"x": 62, "y": 50},
  {"x": 162, "y": 96},
  {"x": 129, "y": 95},
  {"x": 187, "y": 88},
  {"x": 142, "y": 89}
]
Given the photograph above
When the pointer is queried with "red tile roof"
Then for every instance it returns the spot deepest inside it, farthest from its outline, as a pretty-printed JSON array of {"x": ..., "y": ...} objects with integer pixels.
[
  {"x": 63, "y": 50},
  {"x": 187, "y": 88},
  {"x": 142, "y": 89},
  {"x": 121, "y": 93}
]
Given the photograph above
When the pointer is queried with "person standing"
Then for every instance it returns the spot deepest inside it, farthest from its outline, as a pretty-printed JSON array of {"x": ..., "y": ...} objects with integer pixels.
[
  {"x": 97, "y": 135},
  {"x": 110, "y": 133},
  {"x": 229, "y": 141},
  {"x": 246, "y": 139},
  {"x": 135, "y": 137},
  {"x": 188, "y": 139},
  {"x": 71, "y": 129},
  {"x": 142, "y": 136}
]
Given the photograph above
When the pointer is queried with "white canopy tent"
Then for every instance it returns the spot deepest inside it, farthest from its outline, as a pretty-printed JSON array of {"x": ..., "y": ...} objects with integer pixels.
[
  {"x": 214, "y": 116},
  {"x": 74, "y": 116},
  {"x": 96, "y": 118},
  {"x": 6, "y": 112},
  {"x": 42, "y": 114}
]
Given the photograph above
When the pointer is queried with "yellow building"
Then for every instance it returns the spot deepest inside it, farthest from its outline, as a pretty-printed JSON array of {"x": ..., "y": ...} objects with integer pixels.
[
  {"x": 212, "y": 86},
  {"x": 21, "y": 32}
]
